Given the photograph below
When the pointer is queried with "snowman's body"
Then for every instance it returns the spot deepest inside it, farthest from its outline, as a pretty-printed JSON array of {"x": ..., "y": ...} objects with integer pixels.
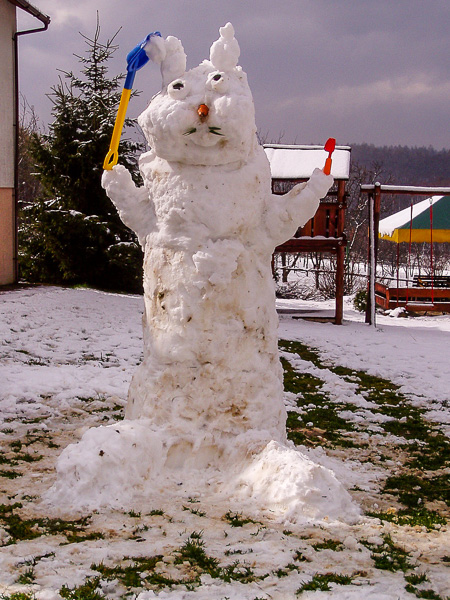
[
  {"x": 205, "y": 414},
  {"x": 208, "y": 222},
  {"x": 210, "y": 325}
]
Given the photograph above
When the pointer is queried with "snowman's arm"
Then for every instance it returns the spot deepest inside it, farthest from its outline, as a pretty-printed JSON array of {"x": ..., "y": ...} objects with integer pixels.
[
  {"x": 133, "y": 203},
  {"x": 285, "y": 214}
]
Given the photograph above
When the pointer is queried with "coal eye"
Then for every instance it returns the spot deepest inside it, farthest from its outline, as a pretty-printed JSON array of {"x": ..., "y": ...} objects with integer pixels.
[
  {"x": 178, "y": 89},
  {"x": 218, "y": 82}
]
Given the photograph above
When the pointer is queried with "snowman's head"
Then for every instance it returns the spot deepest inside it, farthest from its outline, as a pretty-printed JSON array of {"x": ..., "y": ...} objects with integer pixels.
[{"x": 204, "y": 116}]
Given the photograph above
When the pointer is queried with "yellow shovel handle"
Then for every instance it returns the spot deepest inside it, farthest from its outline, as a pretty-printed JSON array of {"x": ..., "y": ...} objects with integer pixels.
[{"x": 113, "y": 153}]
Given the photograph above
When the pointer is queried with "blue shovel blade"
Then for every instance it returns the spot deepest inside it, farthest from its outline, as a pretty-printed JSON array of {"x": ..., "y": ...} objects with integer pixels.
[{"x": 136, "y": 59}]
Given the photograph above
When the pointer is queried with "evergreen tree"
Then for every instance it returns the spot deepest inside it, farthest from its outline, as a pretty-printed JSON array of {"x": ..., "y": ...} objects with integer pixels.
[{"x": 73, "y": 233}]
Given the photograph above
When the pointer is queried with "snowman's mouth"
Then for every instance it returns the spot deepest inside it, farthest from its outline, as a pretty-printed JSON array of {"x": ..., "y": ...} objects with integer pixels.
[
  {"x": 213, "y": 130},
  {"x": 204, "y": 136}
]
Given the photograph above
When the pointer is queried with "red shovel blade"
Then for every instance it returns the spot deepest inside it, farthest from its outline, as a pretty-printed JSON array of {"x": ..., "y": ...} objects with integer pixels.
[{"x": 330, "y": 145}]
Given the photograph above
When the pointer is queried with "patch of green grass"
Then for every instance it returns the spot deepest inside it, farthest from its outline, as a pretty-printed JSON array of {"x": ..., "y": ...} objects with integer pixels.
[
  {"x": 304, "y": 384},
  {"x": 87, "y": 591},
  {"x": 321, "y": 582},
  {"x": 300, "y": 557},
  {"x": 388, "y": 556},
  {"x": 237, "y": 520},
  {"x": 27, "y": 577},
  {"x": 237, "y": 572},
  {"x": 12, "y": 461},
  {"x": 304, "y": 351},
  {"x": 193, "y": 551},
  {"x": 18, "y": 596},
  {"x": 334, "y": 545},
  {"x": 238, "y": 551},
  {"x": 137, "y": 572},
  {"x": 156, "y": 512},
  {"x": 28, "y": 529},
  {"x": 412, "y": 517},
  {"x": 195, "y": 511},
  {"x": 431, "y": 454},
  {"x": 413, "y": 490},
  {"x": 4, "y": 460},
  {"x": 8, "y": 508},
  {"x": 34, "y": 420},
  {"x": 416, "y": 578},
  {"x": 328, "y": 426},
  {"x": 29, "y": 458},
  {"x": 280, "y": 573},
  {"x": 10, "y": 474},
  {"x": 427, "y": 594}
]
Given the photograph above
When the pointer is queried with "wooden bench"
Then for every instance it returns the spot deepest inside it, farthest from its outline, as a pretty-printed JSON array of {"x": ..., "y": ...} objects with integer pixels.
[
  {"x": 426, "y": 281},
  {"x": 414, "y": 299}
]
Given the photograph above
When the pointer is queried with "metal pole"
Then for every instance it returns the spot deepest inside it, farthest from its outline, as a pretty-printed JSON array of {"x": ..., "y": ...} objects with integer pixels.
[
  {"x": 371, "y": 260},
  {"x": 372, "y": 265}
]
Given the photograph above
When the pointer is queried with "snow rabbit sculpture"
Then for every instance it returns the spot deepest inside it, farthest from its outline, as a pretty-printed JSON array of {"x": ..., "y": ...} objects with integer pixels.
[
  {"x": 205, "y": 414},
  {"x": 208, "y": 223}
]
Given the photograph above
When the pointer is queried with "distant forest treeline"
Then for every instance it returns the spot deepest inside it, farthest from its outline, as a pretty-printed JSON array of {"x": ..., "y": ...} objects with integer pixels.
[{"x": 404, "y": 165}]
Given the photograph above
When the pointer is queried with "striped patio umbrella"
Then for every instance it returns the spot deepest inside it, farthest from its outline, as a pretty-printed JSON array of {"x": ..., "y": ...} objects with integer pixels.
[{"x": 430, "y": 222}]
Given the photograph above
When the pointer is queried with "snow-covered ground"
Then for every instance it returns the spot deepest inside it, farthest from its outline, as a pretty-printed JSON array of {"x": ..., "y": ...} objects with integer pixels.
[{"x": 66, "y": 361}]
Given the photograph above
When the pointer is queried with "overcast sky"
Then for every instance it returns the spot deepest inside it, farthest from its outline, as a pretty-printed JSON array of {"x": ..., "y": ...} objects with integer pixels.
[{"x": 375, "y": 71}]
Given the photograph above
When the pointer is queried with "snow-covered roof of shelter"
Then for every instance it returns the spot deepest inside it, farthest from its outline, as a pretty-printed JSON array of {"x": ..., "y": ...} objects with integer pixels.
[
  {"x": 298, "y": 162},
  {"x": 403, "y": 217}
]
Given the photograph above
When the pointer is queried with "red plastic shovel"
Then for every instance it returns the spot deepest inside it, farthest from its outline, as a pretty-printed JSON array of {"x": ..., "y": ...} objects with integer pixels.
[{"x": 329, "y": 147}]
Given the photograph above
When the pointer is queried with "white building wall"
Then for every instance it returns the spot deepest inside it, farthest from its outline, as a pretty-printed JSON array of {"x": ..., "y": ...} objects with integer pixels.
[
  {"x": 7, "y": 30},
  {"x": 7, "y": 136}
]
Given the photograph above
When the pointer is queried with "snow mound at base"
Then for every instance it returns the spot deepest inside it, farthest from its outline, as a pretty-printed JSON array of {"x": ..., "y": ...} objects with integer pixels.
[{"x": 133, "y": 465}]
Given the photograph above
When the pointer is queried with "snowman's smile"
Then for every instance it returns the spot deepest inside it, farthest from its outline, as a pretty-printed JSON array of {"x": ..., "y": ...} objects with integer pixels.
[{"x": 204, "y": 135}]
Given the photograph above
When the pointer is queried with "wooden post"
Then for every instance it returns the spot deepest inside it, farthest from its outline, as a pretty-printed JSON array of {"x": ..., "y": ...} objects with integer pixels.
[
  {"x": 340, "y": 272},
  {"x": 340, "y": 255}
]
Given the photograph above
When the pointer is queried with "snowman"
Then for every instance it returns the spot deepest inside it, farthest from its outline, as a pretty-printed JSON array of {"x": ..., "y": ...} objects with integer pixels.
[{"x": 205, "y": 407}]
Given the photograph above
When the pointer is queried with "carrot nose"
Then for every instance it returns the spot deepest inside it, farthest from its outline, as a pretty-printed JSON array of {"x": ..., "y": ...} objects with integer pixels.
[{"x": 202, "y": 111}]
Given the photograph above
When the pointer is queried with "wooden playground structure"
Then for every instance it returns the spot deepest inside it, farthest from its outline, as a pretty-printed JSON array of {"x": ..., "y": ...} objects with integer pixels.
[{"x": 325, "y": 231}]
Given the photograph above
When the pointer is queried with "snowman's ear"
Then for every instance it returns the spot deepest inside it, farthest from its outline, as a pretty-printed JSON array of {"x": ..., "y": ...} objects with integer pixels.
[
  {"x": 169, "y": 53},
  {"x": 224, "y": 53},
  {"x": 174, "y": 64}
]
